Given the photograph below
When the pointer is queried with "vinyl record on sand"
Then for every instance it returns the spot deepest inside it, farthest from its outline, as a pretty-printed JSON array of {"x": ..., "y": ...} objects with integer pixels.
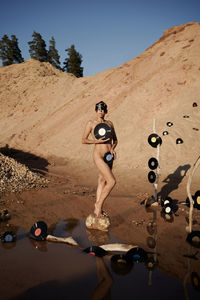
[
  {"x": 154, "y": 140},
  {"x": 153, "y": 163},
  {"x": 151, "y": 176}
]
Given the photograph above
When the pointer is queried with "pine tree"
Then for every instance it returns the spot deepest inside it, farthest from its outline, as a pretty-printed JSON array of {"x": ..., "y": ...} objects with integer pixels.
[
  {"x": 37, "y": 47},
  {"x": 53, "y": 56},
  {"x": 5, "y": 51},
  {"x": 16, "y": 52},
  {"x": 72, "y": 64}
]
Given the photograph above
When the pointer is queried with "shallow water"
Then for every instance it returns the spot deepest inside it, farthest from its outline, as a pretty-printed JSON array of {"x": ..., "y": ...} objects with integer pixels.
[{"x": 45, "y": 270}]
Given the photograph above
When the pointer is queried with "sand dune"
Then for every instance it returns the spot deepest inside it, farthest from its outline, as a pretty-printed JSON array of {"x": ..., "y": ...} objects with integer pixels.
[{"x": 44, "y": 110}]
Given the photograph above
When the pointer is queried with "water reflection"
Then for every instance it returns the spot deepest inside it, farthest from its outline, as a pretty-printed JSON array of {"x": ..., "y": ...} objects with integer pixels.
[
  {"x": 105, "y": 281},
  {"x": 67, "y": 272}
]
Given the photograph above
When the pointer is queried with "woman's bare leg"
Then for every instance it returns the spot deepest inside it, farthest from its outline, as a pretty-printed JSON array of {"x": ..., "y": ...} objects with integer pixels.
[
  {"x": 103, "y": 191},
  {"x": 100, "y": 186}
]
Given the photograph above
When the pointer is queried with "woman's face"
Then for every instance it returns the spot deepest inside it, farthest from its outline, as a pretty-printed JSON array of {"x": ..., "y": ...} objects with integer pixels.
[{"x": 100, "y": 113}]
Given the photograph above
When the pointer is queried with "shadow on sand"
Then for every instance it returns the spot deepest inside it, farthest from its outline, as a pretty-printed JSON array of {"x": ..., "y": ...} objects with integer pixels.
[
  {"x": 33, "y": 162},
  {"x": 173, "y": 180}
]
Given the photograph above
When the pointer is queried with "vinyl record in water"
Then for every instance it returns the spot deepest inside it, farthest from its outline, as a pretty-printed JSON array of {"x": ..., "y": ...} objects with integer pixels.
[
  {"x": 108, "y": 158},
  {"x": 39, "y": 231},
  {"x": 151, "y": 177},
  {"x": 197, "y": 200},
  {"x": 179, "y": 141},
  {"x": 120, "y": 264},
  {"x": 96, "y": 251},
  {"x": 193, "y": 238},
  {"x": 150, "y": 263},
  {"x": 169, "y": 124},
  {"x": 102, "y": 130},
  {"x": 137, "y": 254},
  {"x": 165, "y": 132},
  {"x": 195, "y": 279},
  {"x": 194, "y": 104},
  {"x": 153, "y": 163},
  {"x": 8, "y": 237},
  {"x": 151, "y": 228},
  {"x": 154, "y": 140},
  {"x": 151, "y": 243}
]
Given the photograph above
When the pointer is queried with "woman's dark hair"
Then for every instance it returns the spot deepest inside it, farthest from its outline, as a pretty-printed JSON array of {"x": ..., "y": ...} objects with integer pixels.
[{"x": 101, "y": 105}]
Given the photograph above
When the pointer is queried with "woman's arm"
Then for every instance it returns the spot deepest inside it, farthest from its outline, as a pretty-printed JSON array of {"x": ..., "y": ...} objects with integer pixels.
[
  {"x": 114, "y": 140},
  {"x": 87, "y": 131}
]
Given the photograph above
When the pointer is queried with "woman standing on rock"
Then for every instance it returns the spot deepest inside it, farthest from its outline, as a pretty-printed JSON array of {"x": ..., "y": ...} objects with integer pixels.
[{"x": 106, "y": 179}]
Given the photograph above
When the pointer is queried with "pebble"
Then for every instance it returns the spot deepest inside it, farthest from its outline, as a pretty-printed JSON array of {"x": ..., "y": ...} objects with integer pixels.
[{"x": 16, "y": 177}]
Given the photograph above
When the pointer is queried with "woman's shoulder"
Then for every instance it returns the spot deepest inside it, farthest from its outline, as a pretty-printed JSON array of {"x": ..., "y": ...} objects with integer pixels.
[{"x": 109, "y": 123}]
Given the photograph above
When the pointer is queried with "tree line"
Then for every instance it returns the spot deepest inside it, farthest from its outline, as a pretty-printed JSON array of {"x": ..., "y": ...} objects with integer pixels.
[{"x": 11, "y": 54}]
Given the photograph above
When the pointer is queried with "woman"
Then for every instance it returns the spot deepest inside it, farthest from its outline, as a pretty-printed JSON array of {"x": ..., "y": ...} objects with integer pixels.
[{"x": 106, "y": 179}]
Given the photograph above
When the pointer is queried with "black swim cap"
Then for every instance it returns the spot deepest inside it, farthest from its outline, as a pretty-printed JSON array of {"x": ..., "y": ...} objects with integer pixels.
[{"x": 101, "y": 105}]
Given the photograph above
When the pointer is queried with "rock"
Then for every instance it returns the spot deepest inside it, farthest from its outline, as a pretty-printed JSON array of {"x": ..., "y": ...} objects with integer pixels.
[{"x": 100, "y": 223}]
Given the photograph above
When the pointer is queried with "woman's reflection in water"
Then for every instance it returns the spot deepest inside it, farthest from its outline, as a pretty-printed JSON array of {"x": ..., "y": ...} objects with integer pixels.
[{"x": 105, "y": 281}]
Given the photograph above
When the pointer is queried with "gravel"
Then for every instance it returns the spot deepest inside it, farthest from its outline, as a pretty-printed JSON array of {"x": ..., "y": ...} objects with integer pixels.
[{"x": 16, "y": 177}]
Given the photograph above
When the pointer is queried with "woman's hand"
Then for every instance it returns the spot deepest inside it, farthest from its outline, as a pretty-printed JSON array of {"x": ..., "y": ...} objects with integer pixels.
[
  {"x": 101, "y": 141},
  {"x": 112, "y": 151}
]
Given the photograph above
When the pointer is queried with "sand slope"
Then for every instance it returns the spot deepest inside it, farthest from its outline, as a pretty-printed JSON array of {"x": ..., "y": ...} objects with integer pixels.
[{"x": 44, "y": 110}]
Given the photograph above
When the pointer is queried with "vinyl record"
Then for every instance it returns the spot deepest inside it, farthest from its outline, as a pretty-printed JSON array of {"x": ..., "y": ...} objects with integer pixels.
[
  {"x": 120, "y": 264},
  {"x": 193, "y": 238},
  {"x": 137, "y": 254},
  {"x": 39, "y": 231},
  {"x": 168, "y": 209},
  {"x": 169, "y": 124},
  {"x": 179, "y": 141},
  {"x": 194, "y": 104},
  {"x": 154, "y": 140},
  {"x": 108, "y": 157},
  {"x": 166, "y": 200},
  {"x": 153, "y": 163},
  {"x": 151, "y": 228},
  {"x": 165, "y": 133},
  {"x": 102, "y": 130},
  {"x": 195, "y": 279},
  {"x": 150, "y": 263},
  {"x": 8, "y": 237},
  {"x": 197, "y": 200},
  {"x": 96, "y": 251},
  {"x": 151, "y": 176}
]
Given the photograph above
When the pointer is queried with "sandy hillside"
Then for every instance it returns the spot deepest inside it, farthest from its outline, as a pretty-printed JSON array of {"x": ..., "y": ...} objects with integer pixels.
[{"x": 44, "y": 111}]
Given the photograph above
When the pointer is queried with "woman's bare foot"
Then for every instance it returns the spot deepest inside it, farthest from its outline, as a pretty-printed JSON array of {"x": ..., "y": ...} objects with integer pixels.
[{"x": 98, "y": 212}]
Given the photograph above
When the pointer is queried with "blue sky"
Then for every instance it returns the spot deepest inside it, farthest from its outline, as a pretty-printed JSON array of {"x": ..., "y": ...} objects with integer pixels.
[{"x": 107, "y": 33}]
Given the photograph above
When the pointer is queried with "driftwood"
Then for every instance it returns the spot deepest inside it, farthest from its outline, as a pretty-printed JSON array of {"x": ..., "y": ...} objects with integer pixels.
[
  {"x": 117, "y": 247},
  {"x": 107, "y": 247},
  {"x": 195, "y": 166},
  {"x": 67, "y": 240}
]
